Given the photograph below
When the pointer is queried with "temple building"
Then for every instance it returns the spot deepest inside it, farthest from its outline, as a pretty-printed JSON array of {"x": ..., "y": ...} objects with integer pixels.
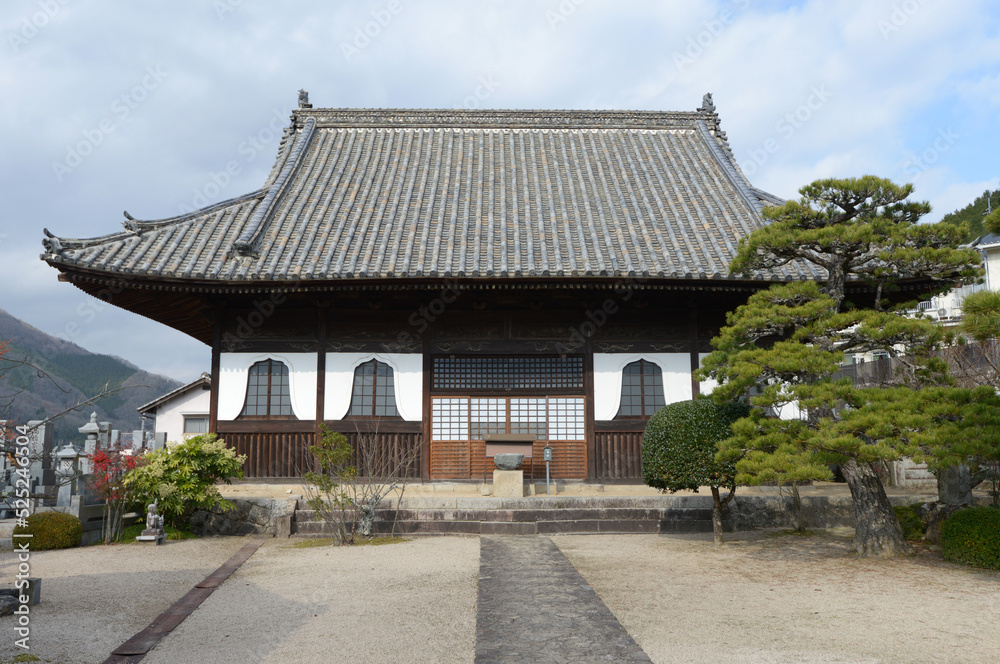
[{"x": 443, "y": 278}]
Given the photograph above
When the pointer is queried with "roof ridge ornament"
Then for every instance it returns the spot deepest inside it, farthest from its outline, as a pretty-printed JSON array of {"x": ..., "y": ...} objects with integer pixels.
[
  {"x": 51, "y": 243},
  {"x": 304, "y": 99},
  {"x": 707, "y": 105},
  {"x": 131, "y": 224}
]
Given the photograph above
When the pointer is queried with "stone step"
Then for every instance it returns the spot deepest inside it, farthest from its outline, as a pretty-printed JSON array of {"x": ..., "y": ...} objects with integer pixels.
[
  {"x": 535, "y": 515},
  {"x": 317, "y": 529}
]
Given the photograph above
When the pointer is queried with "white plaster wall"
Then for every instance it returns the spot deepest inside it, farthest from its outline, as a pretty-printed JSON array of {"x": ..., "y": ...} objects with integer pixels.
[
  {"x": 608, "y": 367},
  {"x": 407, "y": 371},
  {"x": 170, "y": 415},
  {"x": 993, "y": 268},
  {"x": 706, "y": 386},
  {"x": 234, "y": 368}
]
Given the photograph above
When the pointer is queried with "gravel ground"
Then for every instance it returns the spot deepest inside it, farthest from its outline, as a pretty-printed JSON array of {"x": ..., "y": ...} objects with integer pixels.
[
  {"x": 789, "y": 599},
  {"x": 760, "y": 598},
  {"x": 95, "y": 598},
  {"x": 409, "y": 602}
]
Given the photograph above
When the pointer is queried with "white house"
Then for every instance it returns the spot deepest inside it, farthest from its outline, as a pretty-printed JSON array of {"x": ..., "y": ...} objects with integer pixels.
[{"x": 182, "y": 413}]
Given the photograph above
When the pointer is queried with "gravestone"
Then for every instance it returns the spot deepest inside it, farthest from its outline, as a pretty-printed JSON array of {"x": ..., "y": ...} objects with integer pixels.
[{"x": 40, "y": 471}]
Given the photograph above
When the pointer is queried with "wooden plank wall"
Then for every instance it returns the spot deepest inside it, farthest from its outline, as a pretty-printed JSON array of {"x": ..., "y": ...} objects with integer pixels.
[
  {"x": 287, "y": 454},
  {"x": 272, "y": 454},
  {"x": 388, "y": 452},
  {"x": 618, "y": 455}
]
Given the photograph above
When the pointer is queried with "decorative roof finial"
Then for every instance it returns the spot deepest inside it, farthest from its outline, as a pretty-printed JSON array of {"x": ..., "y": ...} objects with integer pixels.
[
  {"x": 51, "y": 243},
  {"x": 707, "y": 105},
  {"x": 304, "y": 99}
]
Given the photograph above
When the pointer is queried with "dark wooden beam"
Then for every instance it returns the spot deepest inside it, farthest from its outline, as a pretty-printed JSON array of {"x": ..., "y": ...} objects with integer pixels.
[
  {"x": 320, "y": 372},
  {"x": 695, "y": 362},
  {"x": 213, "y": 407},
  {"x": 425, "y": 415},
  {"x": 588, "y": 388}
]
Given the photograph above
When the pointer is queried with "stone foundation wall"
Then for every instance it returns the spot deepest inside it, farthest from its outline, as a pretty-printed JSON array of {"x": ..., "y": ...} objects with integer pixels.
[{"x": 250, "y": 516}]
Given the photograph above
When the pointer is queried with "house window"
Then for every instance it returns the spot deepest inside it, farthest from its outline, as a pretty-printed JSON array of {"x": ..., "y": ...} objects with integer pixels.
[
  {"x": 642, "y": 389},
  {"x": 268, "y": 391},
  {"x": 195, "y": 424},
  {"x": 374, "y": 393}
]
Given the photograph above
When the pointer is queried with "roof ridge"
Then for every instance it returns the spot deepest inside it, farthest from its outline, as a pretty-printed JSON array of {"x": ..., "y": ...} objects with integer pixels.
[
  {"x": 244, "y": 243},
  {"x": 529, "y": 118},
  {"x": 56, "y": 244},
  {"x": 734, "y": 175}
]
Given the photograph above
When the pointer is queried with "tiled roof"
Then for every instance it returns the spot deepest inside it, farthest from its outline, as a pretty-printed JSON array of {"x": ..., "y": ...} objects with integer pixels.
[{"x": 382, "y": 194}]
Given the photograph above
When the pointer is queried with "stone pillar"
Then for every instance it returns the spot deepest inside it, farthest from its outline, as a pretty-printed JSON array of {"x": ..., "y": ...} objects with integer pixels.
[
  {"x": 40, "y": 471},
  {"x": 508, "y": 483}
]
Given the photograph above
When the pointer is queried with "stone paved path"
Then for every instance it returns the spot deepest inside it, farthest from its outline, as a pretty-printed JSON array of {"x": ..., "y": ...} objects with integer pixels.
[{"x": 535, "y": 607}]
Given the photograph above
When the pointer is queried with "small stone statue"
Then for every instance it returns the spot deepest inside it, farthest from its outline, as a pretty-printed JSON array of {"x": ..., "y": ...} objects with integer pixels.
[
  {"x": 304, "y": 99},
  {"x": 154, "y": 527}
]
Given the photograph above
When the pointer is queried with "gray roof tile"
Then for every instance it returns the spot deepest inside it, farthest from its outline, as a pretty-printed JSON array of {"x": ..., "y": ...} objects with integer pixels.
[{"x": 391, "y": 193}]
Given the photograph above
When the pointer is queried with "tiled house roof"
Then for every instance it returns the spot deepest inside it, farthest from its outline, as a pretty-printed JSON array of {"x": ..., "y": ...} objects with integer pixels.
[{"x": 384, "y": 194}]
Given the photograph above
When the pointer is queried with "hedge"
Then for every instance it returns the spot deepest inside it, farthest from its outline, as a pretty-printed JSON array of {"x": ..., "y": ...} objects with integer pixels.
[
  {"x": 52, "y": 530},
  {"x": 972, "y": 537}
]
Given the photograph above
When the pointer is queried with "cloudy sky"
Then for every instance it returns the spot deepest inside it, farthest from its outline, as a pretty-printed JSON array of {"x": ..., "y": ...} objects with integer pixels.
[{"x": 140, "y": 106}]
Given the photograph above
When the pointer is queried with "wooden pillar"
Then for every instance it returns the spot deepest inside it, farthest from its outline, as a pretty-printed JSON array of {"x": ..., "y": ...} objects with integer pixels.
[
  {"x": 695, "y": 362},
  {"x": 320, "y": 373},
  {"x": 213, "y": 407},
  {"x": 588, "y": 387},
  {"x": 425, "y": 416}
]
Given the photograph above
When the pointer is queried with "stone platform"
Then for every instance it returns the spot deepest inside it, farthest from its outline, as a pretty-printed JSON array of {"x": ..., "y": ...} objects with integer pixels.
[{"x": 478, "y": 515}]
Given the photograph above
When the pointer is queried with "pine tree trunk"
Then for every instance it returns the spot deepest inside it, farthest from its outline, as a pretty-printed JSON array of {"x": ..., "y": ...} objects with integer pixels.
[
  {"x": 878, "y": 532},
  {"x": 717, "y": 515},
  {"x": 800, "y": 520}
]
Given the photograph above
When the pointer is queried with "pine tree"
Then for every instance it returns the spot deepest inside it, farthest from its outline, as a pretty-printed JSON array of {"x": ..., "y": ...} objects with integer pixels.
[{"x": 785, "y": 346}]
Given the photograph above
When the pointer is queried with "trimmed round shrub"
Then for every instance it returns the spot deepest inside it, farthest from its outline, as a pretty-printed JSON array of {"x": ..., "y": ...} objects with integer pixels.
[
  {"x": 680, "y": 443},
  {"x": 909, "y": 519},
  {"x": 972, "y": 537},
  {"x": 52, "y": 530}
]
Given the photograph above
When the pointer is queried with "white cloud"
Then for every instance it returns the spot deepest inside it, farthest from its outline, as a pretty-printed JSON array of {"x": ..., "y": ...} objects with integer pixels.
[{"x": 892, "y": 91}]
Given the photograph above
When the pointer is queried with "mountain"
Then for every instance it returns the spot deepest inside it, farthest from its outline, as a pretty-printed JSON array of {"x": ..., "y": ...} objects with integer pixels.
[
  {"x": 973, "y": 214},
  {"x": 71, "y": 373}
]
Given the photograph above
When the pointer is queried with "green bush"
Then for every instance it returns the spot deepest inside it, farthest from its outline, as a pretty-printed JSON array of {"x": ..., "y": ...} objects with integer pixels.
[
  {"x": 972, "y": 537},
  {"x": 182, "y": 478},
  {"x": 910, "y": 521},
  {"x": 680, "y": 444},
  {"x": 52, "y": 530}
]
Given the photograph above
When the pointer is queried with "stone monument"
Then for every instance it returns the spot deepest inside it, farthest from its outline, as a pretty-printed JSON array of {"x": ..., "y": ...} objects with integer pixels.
[
  {"x": 508, "y": 478},
  {"x": 154, "y": 527},
  {"x": 66, "y": 473}
]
